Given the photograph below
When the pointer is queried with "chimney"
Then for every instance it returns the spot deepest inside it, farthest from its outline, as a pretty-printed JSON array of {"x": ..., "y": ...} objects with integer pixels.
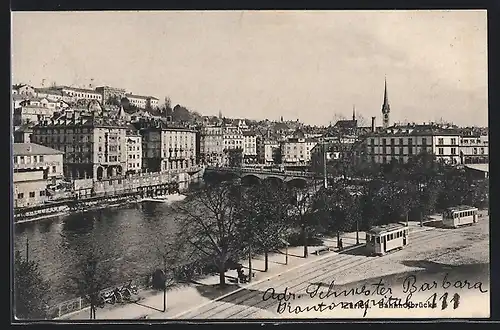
[{"x": 373, "y": 124}]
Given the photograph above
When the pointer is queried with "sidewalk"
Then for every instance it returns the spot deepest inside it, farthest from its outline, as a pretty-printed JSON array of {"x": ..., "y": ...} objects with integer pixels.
[{"x": 186, "y": 297}]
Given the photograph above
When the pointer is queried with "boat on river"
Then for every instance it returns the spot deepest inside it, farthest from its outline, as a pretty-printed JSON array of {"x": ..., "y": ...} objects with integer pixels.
[{"x": 164, "y": 198}]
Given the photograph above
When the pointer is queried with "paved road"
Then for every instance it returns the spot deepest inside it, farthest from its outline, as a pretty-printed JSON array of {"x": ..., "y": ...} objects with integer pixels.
[{"x": 249, "y": 303}]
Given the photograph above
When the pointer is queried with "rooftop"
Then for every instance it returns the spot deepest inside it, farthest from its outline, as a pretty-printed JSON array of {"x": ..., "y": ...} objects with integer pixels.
[
  {"x": 21, "y": 149},
  {"x": 385, "y": 228},
  {"x": 460, "y": 208}
]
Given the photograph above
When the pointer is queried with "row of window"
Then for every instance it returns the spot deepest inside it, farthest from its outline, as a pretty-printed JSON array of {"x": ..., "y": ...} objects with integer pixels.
[
  {"x": 32, "y": 194},
  {"x": 86, "y": 95},
  {"x": 28, "y": 159},
  {"x": 461, "y": 214},
  {"x": 388, "y": 237}
]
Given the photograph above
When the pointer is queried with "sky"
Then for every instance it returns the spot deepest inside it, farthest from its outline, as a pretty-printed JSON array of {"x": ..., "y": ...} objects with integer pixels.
[{"x": 314, "y": 66}]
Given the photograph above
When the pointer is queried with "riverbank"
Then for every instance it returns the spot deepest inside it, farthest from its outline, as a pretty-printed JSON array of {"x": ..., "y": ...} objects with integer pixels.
[{"x": 88, "y": 205}]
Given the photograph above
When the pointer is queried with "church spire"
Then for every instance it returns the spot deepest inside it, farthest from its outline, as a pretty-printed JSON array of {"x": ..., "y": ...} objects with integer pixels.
[
  {"x": 385, "y": 107},
  {"x": 353, "y": 112}
]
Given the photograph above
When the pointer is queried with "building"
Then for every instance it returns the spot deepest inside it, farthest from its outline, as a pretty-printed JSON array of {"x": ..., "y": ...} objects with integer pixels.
[
  {"x": 94, "y": 145},
  {"x": 249, "y": 147},
  {"x": 232, "y": 137},
  {"x": 23, "y": 90},
  {"x": 107, "y": 93},
  {"x": 134, "y": 151},
  {"x": 53, "y": 94},
  {"x": 211, "y": 144},
  {"x": 267, "y": 150},
  {"x": 402, "y": 142},
  {"x": 33, "y": 110},
  {"x": 80, "y": 93},
  {"x": 23, "y": 133},
  {"x": 35, "y": 167},
  {"x": 142, "y": 102},
  {"x": 297, "y": 150},
  {"x": 166, "y": 147},
  {"x": 474, "y": 148}
]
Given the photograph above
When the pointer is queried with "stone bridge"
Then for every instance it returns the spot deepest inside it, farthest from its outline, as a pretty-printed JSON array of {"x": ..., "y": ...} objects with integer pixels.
[{"x": 255, "y": 175}]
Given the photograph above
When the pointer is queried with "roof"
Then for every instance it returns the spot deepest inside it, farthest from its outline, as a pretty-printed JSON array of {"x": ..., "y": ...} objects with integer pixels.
[
  {"x": 27, "y": 128},
  {"x": 140, "y": 96},
  {"x": 347, "y": 123},
  {"x": 461, "y": 208},
  {"x": 77, "y": 89},
  {"x": 48, "y": 91},
  {"x": 385, "y": 228},
  {"x": 21, "y": 149}
]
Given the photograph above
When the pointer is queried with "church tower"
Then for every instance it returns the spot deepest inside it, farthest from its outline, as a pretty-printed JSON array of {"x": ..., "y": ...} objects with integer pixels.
[{"x": 385, "y": 107}]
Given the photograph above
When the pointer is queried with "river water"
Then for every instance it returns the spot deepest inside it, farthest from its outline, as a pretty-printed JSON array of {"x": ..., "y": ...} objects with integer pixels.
[{"x": 122, "y": 234}]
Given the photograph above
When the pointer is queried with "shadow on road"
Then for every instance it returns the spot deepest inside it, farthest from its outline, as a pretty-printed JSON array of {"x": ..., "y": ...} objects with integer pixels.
[
  {"x": 434, "y": 224},
  {"x": 245, "y": 297},
  {"x": 150, "y": 307},
  {"x": 357, "y": 251}
]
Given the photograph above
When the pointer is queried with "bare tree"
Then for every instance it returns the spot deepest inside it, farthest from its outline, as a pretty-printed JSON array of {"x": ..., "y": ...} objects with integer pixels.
[
  {"x": 303, "y": 210},
  {"x": 93, "y": 276},
  {"x": 209, "y": 222}
]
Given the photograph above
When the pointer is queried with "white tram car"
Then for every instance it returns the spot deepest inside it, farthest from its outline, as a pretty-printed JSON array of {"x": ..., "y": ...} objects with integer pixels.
[
  {"x": 461, "y": 215},
  {"x": 386, "y": 238}
]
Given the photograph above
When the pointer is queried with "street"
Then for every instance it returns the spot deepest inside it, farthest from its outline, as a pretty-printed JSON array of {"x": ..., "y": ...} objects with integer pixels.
[{"x": 461, "y": 253}]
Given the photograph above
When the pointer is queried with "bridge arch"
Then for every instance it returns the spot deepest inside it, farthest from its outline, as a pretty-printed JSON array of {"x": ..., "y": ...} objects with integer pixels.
[
  {"x": 250, "y": 179},
  {"x": 296, "y": 182}
]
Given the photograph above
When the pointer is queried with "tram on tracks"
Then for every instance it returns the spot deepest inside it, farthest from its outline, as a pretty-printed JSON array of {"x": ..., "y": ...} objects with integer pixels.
[
  {"x": 458, "y": 216},
  {"x": 381, "y": 240}
]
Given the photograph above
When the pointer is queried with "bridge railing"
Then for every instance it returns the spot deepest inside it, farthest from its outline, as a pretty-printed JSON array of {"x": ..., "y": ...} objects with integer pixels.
[{"x": 267, "y": 171}]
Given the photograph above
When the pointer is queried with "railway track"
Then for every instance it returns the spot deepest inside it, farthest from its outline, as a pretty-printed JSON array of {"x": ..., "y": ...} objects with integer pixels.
[{"x": 248, "y": 301}]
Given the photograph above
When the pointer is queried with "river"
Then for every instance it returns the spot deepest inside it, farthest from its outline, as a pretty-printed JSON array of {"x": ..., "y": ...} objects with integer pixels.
[{"x": 122, "y": 234}]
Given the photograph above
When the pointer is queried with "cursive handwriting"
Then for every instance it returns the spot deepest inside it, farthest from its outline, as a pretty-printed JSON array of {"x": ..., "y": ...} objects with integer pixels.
[
  {"x": 379, "y": 289},
  {"x": 411, "y": 285}
]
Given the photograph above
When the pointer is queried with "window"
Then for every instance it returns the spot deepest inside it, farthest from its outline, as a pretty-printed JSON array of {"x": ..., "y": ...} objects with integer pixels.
[
  {"x": 424, "y": 141},
  {"x": 440, "y": 151},
  {"x": 20, "y": 196},
  {"x": 482, "y": 150},
  {"x": 377, "y": 239},
  {"x": 440, "y": 141},
  {"x": 453, "y": 141},
  {"x": 28, "y": 159},
  {"x": 453, "y": 151},
  {"x": 41, "y": 158},
  {"x": 392, "y": 141},
  {"x": 110, "y": 182},
  {"x": 400, "y": 141},
  {"x": 15, "y": 160},
  {"x": 42, "y": 193},
  {"x": 53, "y": 169},
  {"x": 383, "y": 141},
  {"x": 32, "y": 194},
  {"x": 474, "y": 151},
  {"x": 410, "y": 141}
]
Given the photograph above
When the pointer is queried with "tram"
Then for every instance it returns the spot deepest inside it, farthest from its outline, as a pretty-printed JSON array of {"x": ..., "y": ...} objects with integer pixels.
[
  {"x": 386, "y": 238},
  {"x": 461, "y": 215}
]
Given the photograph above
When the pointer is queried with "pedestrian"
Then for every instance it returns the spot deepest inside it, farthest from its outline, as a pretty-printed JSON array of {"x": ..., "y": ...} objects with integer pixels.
[{"x": 341, "y": 245}]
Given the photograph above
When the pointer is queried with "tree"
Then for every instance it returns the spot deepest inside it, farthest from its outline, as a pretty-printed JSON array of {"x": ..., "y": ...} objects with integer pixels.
[
  {"x": 234, "y": 157},
  {"x": 304, "y": 208},
  {"x": 170, "y": 250},
  {"x": 93, "y": 276},
  {"x": 338, "y": 209},
  {"x": 209, "y": 222},
  {"x": 31, "y": 291},
  {"x": 264, "y": 217},
  {"x": 277, "y": 156}
]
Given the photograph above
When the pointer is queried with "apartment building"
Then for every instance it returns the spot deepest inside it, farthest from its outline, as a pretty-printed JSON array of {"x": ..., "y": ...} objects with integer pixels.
[
  {"x": 211, "y": 144},
  {"x": 474, "y": 148},
  {"x": 142, "y": 102},
  {"x": 249, "y": 147},
  {"x": 133, "y": 150},
  {"x": 166, "y": 147},
  {"x": 297, "y": 150},
  {"x": 93, "y": 146},
  {"x": 35, "y": 166},
  {"x": 80, "y": 93},
  {"x": 402, "y": 142}
]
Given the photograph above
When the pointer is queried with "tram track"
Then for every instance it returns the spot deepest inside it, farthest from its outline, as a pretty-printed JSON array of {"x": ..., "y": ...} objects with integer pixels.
[{"x": 301, "y": 280}]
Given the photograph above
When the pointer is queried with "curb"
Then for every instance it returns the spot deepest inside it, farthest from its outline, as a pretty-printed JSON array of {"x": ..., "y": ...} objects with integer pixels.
[{"x": 263, "y": 280}]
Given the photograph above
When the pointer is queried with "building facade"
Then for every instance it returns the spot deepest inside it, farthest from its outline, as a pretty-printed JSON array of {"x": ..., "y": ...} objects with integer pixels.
[
  {"x": 142, "y": 102},
  {"x": 211, "y": 144},
  {"x": 134, "y": 151},
  {"x": 297, "y": 150},
  {"x": 93, "y": 146},
  {"x": 35, "y": 166},
  {"x": 249, "y": 147},
  {"x": 108, "y": 92},
  {"x": 474, "y": 149},
  {"x": 401, "y": 143}
]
